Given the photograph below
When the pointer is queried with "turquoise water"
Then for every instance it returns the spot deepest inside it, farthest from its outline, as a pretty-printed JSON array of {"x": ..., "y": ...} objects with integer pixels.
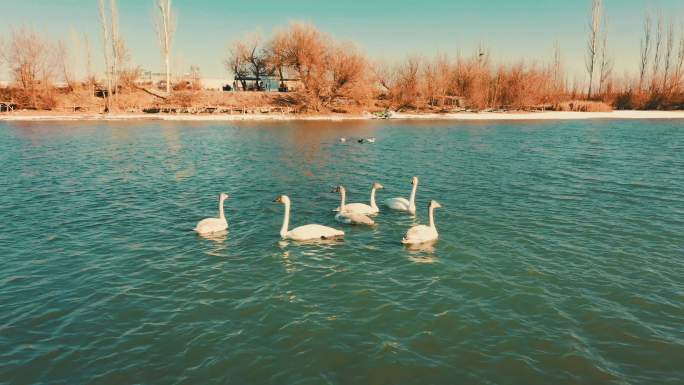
[{"x": 560, "y": 259}]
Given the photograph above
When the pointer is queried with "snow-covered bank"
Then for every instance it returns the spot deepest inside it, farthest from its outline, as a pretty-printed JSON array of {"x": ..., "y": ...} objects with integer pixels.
[{"x": 549, "y": 115}]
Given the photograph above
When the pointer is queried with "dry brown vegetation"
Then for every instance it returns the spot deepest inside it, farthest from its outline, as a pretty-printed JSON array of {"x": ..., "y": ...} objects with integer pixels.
[{"x": 322, "y": 74}]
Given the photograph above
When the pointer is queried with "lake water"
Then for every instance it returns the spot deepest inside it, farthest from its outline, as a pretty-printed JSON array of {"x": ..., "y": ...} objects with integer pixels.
[{"x": 560, "y": 258}]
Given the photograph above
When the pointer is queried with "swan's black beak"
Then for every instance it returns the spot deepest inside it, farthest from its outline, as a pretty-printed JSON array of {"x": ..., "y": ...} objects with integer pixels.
[
  {"x": 335, "y": 189},
  {"x": 277, "y": 200}
]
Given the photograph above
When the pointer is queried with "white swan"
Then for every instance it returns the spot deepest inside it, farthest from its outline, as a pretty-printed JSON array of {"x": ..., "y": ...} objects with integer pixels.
[
  {"x": 214, "y": 225},
  {"x": 347, "y": 216},
  {"x": 421, "y": 233},
  {"x": 306, "y": 232},
  {"x": 363, "y": 208},
  {"x": 403, "y": 204},
  {"x": 343, "y": 140}
]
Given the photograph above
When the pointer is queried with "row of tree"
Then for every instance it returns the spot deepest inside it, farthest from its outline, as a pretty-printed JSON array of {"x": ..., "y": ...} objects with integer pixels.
[
  {"x": 35, "y": 61},
  {"x": 328, "y": 70},
  {"x": 329, "y": 73}
]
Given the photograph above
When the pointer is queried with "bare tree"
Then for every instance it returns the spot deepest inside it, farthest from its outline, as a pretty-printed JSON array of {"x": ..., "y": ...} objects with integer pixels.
[
  {"x": 118, "y": 47},
  {"x": 65, "y": 66},
  {"x": 405, "y": 91},
  {"x": 657, "y": 54},
  {"x": 606, "y": 61},
  {"x": 382, "y": 74},
  {"x": 248, "y": 57},
  {"x": 114, "y": 48},
  {"x": 305, "y": 54},
  {"x": 348, "y": 75},
  {"x": 593, "y": 41},
  {"x": 277, "y": 55},
  {"x": 669, "y": 48},
  {"x": 556, "y": 68},
  {"x": 29, "y": 57},
  {"x": 645, "y": 48},
  {"x": 166, "y": 29},
  {"x": 88, "y": 59},
  {"x": 256, "y": 59},
  {"x": 679, "y": 66},
  {"x": 235, "y": 62},
  {"x": 106, "y": 43}
]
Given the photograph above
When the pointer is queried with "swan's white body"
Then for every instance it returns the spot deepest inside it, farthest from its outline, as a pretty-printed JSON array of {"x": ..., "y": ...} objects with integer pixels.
[
  {"x": 370, "y": 140},
  {"x": 404, "y": 204},
  {"x": 306, "y": 232},
  {"x": 362, "y": 208},
  {"x": 342, "y": 140},
  {"x": 350, "y": 217},
  {"x": 214, "y": 225},
  {"x": 421, "y": 233}
]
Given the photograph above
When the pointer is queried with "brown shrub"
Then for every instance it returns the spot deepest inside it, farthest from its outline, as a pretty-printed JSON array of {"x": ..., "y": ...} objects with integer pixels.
[{"x": 584, "y": 106}]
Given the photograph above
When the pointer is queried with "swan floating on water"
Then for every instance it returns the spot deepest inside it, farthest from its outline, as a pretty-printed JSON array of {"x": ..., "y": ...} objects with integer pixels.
[
  {"x": 421, "y": 233},
  {"x": 363, "y": 208},
  {"x": 214, "y": 225},
  {"x": 306, "y": 232},
  {"x": 367, "y": 140},
  {"x": 343, "y": 140},
  {"x": 347, "y": 216},
  {"x": 402, "y": 203}
]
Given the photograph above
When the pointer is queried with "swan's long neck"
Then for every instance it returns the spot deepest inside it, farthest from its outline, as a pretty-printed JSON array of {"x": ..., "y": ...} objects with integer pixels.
[
  {"x": 286, "y": 220},
  {"x": 431, "y": 211},
  {"x": 343, "y": 194},
  {"x": 221, "y": 213},
  {"x": 372, "y": 200},
  {"x": 412, "y": 198}
]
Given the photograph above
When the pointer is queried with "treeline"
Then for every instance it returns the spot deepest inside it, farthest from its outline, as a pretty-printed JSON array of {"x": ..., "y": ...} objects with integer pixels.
[
  {"x": 658, "y": 84},
  {"x": 329, "y": 71},
  {"x": 335, "y": 74},
  {"x": 322, "y": 73},
  {"x": 44, "y": 70}
]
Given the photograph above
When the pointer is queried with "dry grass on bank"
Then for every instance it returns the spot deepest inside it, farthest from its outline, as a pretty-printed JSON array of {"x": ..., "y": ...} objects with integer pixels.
[{"x": 138, "y": 101}]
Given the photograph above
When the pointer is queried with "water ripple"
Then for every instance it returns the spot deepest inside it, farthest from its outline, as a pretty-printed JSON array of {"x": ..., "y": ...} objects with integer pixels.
[{"x": 559, "y": 259}]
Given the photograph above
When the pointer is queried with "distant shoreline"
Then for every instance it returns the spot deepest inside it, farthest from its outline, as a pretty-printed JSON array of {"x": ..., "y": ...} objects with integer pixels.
[{"x": 458, "y": 116}]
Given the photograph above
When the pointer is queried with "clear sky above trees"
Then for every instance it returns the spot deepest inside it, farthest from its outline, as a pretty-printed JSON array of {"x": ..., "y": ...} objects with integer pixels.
[{"x": 383, "y": 29}]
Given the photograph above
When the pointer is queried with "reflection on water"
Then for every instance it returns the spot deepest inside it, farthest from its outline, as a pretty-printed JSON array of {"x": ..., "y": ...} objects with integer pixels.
[
  {"x": 422, "y": 252},
  {"x": 218, "y": 237},
  {"x": 218, "y": 245}
]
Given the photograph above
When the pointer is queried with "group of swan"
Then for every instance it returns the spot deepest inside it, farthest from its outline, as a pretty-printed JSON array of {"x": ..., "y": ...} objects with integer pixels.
[{"x": 352, "y": 213}]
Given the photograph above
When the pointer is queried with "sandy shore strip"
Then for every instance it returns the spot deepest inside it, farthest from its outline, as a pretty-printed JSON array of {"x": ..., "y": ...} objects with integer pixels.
[{"x": 549, "y": 115}]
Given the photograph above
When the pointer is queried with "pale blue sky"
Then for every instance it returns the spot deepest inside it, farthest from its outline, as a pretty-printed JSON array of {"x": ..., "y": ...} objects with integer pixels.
[{"x": 383, "y": 29}]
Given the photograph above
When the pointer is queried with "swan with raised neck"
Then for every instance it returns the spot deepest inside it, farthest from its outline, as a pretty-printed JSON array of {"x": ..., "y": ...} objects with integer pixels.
[
  {"x": 305, "y": 232},
  {"x": 214, "y": 225},
  {"x": 345, "y": 215},
  {"x": 422, "y": 233}
]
